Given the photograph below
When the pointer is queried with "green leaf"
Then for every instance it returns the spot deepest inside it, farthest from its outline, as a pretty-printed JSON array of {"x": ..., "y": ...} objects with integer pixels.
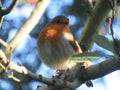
[
  {"x": 104, "y": 42},
  {"x": 85, "y": 56}
]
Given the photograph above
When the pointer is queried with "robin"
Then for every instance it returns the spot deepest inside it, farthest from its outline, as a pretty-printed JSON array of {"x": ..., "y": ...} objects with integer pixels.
[{"x": 56, "y": 43}]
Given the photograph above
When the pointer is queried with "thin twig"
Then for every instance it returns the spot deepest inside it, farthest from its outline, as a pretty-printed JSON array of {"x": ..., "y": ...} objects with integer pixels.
[
  {"x": 93, "y": 24},
  {"x": 116, "y": 41},
  {"x": 9, "y": 9},
  {"x": 11, "y": 75},
  {"x": 28, "y": 25},
  {"x": 3, "y": 43}
]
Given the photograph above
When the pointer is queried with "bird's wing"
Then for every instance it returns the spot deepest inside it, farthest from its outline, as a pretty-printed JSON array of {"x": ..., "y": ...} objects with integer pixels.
[
  {"x": 76, "y": 46},
  {"x": 72, "y": 42}
]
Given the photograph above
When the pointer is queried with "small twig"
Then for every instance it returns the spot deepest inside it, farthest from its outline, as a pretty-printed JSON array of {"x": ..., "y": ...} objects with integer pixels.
[
  {"x": 109, "y": 25},
  {"x": 9, "y": 60},
  {"x": 9, "y": 9},
  {"x": 1, "y": 14},
  {"x": 3, "y": 43},
  {"x": 3, "y": 61},
  {"x": 10, "y": 56},
  {"x": 6, "y": 11},
  {"x": 111, "y": 20},
  {"x": 2, "y": 66},
  {"x": 28, "y": 25},
  {"x": 11, "y": 75}
]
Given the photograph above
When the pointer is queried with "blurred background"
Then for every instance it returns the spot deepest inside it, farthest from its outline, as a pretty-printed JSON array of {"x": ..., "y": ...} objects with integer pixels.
[{"x": 26, "y": 53}]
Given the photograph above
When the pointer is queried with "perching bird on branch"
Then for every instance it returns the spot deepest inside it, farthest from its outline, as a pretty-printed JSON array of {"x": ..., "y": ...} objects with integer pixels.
[{"x": 56, "y": 43}]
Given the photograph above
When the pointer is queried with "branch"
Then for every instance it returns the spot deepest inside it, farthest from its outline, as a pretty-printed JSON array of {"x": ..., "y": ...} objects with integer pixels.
[
  {"x": 24, "y": 71},
  {"x": 6, "y": 11},
  {"x": 103, "y": 68},
  {"x": 3, "y": 43},
  {"x": 9, "y": 9},
  {"x": 71, "y": 79},
  {"x": 29, "y": 25},
  {"x": 94, "y": 22}
]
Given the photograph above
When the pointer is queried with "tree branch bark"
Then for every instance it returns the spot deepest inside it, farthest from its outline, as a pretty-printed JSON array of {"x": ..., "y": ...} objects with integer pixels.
[
  {"x": 103, "y": 68},
  {"x": 75, "y": 77},
  {"x": 94, "y": 22},
  {"x": 9, "y": 9},
  {"x": 28, "y": 26}
]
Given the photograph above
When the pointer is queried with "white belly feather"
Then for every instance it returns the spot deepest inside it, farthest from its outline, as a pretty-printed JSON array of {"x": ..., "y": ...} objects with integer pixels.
[{"x": 56, "y": 56}]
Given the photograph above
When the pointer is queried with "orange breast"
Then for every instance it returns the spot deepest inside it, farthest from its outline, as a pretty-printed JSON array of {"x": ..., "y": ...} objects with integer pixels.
[{"x": 52, "y": 34}]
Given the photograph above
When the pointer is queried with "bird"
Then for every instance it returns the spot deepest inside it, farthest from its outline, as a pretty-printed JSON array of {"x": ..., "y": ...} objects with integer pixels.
[{"x": 56, "y": 43}]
